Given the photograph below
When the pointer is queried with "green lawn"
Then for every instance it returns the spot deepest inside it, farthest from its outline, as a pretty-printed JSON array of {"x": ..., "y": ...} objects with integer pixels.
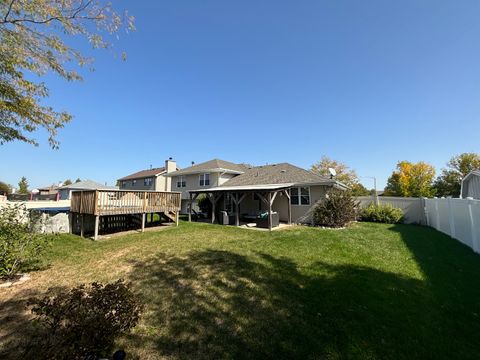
[{"x": 371, "y": 291}]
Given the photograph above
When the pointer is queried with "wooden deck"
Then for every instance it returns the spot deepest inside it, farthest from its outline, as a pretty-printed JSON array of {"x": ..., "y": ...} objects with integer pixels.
[{"x": 124, "y": 204}]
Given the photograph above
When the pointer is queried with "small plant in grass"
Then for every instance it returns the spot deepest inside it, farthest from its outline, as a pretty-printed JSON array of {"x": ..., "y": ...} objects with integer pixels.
[
  {"x": 83, "y": 322},
  {"x": 336, "y": 210},
  {"x": 383, "y": 213},
  {"x": 20, "y": 245}
]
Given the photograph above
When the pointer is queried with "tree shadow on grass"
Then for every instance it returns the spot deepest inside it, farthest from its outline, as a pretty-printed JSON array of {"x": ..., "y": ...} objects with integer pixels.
[{"x": 218, "y": 304}]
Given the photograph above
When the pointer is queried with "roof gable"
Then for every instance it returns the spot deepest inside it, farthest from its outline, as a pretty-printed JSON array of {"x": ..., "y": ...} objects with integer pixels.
[
  {"x": 87, "y": 185},
  {"x": 215, "y": 165}
]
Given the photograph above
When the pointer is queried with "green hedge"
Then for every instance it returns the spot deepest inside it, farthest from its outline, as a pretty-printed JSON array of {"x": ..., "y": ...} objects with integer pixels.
[{"x": 383, "y": 213}]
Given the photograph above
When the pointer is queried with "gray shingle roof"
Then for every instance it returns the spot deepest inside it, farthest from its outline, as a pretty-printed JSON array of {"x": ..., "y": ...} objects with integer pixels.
[
  {"x": 215, "y": 165},
  {"x": 87, "y": 185},
  {"x": 283, "y": 173}
]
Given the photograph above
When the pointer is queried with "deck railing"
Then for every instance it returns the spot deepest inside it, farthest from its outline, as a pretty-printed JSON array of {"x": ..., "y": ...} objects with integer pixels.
[{"x": 108, "y": 202}]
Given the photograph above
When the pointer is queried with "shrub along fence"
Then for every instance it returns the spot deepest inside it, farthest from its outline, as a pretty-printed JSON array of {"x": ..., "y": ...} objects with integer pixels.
[
  {"x": 459, "y": 218},
  {"x": 413, "y": 208}
]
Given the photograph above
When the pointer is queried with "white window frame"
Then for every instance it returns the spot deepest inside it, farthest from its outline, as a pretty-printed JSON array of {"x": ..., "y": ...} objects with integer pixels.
[
  {"x": 181, "y": 181},
  {"x": 203, "y": 178},
  {"x": 299, "y": 189}
]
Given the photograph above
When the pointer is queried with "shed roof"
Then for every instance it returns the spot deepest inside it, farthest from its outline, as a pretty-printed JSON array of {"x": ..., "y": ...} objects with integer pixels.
[
  {"x": 144, "y": 173},
  {"x": 87, "y": 185},
  {"x": 215, "y": 165}
]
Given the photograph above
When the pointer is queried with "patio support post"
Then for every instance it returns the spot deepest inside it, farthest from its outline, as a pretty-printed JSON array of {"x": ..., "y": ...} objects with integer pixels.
[
  {"x": 190, "y": 208},
  {"x": 287, "y": 194},
  {"x": 270, "y": 210},
  {"x": 237, "y": 210},
  {"x": 143, "y": 222},
  {"x": 214, "y": 203}
]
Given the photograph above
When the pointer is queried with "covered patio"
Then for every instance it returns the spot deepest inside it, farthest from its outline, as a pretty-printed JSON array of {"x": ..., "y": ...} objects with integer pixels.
[{"x": 266, "y": 194}]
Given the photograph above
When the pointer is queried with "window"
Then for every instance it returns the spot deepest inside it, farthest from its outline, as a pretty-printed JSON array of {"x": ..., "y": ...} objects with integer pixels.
[
  {"x": 147, "y": 181},
  {"x": 204, "y": 179},
  {"x": 124, "y": 184},
  {"x": 300, "y": 196},
  {"x": 181, "y": 181},
  {"x": 134, "y": 182}
]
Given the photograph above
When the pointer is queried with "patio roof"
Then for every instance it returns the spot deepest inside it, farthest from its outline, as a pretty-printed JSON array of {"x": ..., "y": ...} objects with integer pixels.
[{"x": 244, "y": 188}]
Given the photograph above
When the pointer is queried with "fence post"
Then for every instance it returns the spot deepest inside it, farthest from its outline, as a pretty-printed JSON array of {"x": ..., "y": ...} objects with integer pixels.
[
  {"x": 437, "y": 213},
  {"x": 451, "y": 219},
  {"x": 472, "y": 227},
  {"x": 425, "y": 212}
]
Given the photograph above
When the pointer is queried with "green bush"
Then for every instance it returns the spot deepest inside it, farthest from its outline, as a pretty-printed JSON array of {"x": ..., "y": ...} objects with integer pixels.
[
  {"x": 383, "y": 213},
  {"x": 20, "y": 245},
  {"x": 83, "y": 322},
  {"x": 336, "y": 210}
]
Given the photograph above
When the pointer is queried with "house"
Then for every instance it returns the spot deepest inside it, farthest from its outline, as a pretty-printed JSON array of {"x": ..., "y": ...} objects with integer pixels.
[
  {"x": 471, "y": 186},
  {"x": 49, "y": 190},
  {"x": 283, "y": 192},
  {"x": 154, "y": 179},
  {"x": 66, "y": 190},
  {"x": 205, "y": 175}
]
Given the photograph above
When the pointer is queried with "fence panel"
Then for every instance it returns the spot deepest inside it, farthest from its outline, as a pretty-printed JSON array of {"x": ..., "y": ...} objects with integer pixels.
[
  {"x": 459, "y": 218},
  {"x": 413, "y": 208}
]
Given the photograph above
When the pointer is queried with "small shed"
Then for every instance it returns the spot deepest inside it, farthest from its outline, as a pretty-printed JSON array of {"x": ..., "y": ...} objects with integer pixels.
[
  {"x": 471, "y": 186},
  {"x": 66, "y": 190}
]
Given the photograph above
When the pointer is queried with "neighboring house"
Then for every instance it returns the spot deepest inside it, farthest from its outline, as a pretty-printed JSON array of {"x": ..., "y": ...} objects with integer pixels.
[
  {"x": 471, "y": 186},
  {"x": 66, "y": 190},
  {"x": 205, "y": 175},
  {"x": 152, "y": 179},
  {"x": 48, "y": 190}
]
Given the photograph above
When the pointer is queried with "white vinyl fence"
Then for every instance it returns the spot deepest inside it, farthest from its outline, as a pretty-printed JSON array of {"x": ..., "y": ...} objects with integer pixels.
[
  {"x": 413, "y": 208},
  {"x": 459, "y": 218}
]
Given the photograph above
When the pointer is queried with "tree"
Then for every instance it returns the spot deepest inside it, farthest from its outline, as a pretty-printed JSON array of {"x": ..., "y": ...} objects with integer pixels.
[
  {"x": 78, "y": 180},
  {"x": 360, "y": 190},
  {"x": 449, "y": 181},
  {"x": 411, "y": 179},
  {"x": 23, "y": 186},
  {"x": 5, "y": 188},
  {"x": 32, "y": 42},
  {"x": 67, "y": 182},
  {"x": 344, "y": 174}
]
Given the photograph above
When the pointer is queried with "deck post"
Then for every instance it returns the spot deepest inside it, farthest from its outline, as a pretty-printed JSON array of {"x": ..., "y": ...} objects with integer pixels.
[
  {"x": 97, "y": 223},
  {"x": 82, "y": 222},
  {"x": 176, "y": 218},
  {"x": 143, "y": 222}
]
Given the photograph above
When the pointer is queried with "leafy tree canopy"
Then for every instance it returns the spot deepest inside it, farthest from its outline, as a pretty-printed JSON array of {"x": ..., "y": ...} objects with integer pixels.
[
  {"x": 5, "y": 188},
  {"x": 344, "y": 174},
  {"x": 23, "y": 186},
  {"x": 411, "y": 179},
  {"x": 449, "y": 181},
  {"x": 67, "y": 182},
  {"x": 32, "y": 41},
  {"x": 78, "y": 180}
]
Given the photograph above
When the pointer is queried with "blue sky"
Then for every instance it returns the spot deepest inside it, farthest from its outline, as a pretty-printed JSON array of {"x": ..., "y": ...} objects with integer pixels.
[{"x": 368, "y": 83}]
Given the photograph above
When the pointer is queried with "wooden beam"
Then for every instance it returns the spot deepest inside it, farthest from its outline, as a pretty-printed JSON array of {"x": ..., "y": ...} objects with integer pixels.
[
  {"x": 287, "y": 194},
  {"x": 237, "y": 210},
  {"x": 270, "y": 211},
  {"x": 82, "y": 224},
  {"x": 97, "y": 224},
  {"x": 273, "y": 197},
  {"x": 262, "y": 198},
  {"x": 190, "y": 208},
  {"x": 143, "y": 222}
]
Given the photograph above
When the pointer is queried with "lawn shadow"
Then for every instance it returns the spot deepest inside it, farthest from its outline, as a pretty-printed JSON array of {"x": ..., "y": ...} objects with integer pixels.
[
  {"x": 219, "y": 304},
  {"x": 451, "y": 270}
]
